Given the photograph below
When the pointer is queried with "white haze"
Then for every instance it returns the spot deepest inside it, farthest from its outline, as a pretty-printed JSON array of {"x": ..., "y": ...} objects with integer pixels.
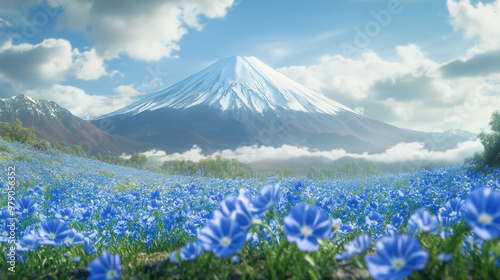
[{"x": 399, "y": 153}]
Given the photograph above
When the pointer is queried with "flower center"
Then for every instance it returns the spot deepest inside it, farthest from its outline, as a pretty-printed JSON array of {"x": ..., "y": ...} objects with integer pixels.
[
  {"x": 374, "y": 223},
  {"x": 70, "y": 240},
  {"x": 485, "y": 219},
  {"x": 453, "y": 214},
  {"x": 398, "y": 263},
  {"x": 66, "y": 217},
  {"x": 5, "y": 233},
  {"x": 335, "y": 227},
  {"x": 52, "y": 236},
  {"x": 111, "y": 274},
  {"x": 225, "y": 241},
  {"x": 25, "y": 211},
  {"x": 306, "y": 231}
]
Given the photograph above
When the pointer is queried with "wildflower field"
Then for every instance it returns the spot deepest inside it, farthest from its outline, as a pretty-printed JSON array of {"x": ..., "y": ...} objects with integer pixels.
[{"x": 76, "y": 218}]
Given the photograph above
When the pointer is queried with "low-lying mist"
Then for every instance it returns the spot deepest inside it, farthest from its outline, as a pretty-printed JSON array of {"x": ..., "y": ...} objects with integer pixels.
[{"x": 403, "y": 156}]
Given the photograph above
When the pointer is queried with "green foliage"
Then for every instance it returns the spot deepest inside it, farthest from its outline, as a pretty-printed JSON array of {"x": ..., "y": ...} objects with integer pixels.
[
  {"x": 218, "y": 167},
  {"x": 43, "y": 145},
  {"x": 350, "y": 169},
  {"x": 16, "y": 132},
  {"x": 314, "y": 173},
  {"x": 138, "y": 160},
  {"x": 285, "y": 172},
  {"x": 4, "y": 148},
  {"x": 491, "y": 141},
  {"x": 477, "y": 162}
]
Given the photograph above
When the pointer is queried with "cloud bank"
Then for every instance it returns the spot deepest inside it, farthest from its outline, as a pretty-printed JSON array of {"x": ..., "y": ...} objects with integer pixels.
[{"x": 402, "y": 152}]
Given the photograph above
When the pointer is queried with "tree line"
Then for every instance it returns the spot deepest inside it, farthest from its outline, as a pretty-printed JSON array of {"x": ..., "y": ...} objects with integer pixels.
[{"x": 209, "y": 167}]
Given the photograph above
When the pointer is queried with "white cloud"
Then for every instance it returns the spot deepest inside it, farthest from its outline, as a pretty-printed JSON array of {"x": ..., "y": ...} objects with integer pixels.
[
  {"x": 147, "y": 30},
  {"x": 403, "y": 152},
  {"x": 354, "y": 77},
  {"x": 480, "y": 20},
  {"x": 88, "y": 65},
  {"x": 409, "y": 93},
  {"x": 49, "y": 62},
  {"x": 86, "y": 106},
  {"x": 46, "y": 62}
]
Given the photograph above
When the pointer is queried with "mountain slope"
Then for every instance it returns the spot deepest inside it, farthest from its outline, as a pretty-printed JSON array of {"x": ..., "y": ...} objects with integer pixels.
[
  {"x": 240, "y": 101},
  {"x": 55, "y": 123}
]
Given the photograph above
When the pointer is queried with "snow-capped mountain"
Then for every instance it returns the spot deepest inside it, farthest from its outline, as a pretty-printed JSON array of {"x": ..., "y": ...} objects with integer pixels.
[
  {"x": 54, "y": 123},
  {"x": 241, "y": 101},
  {"x": 237, "y": 83}
]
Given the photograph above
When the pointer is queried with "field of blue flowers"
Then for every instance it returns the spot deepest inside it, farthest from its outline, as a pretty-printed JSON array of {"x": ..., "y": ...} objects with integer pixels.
[{"x": 77, "y": 218}]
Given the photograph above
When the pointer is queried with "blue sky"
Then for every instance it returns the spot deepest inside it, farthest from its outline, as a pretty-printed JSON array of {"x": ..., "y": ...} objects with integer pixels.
[{"x": 420, "y": 64}]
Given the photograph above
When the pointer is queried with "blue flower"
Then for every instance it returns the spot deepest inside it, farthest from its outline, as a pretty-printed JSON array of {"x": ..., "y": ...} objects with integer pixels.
[
  {"x": 86, "y": 215},
  {"x": 190, "y": 228},
  {"x": 355, "y": 247},
  {"x": 155, "y": 204},
  {"x": 226, "y": 208},
  {"x": 155, "y": 195},
  {"x": 352, "y": 204},
  {"x": 222, "y": 236},
  {"x": 269, "y": 196},
  {"x": 396, "y": 221},
  {"x": 304, "y": 225},
  {"x": 482, "y": 213},
  {"x": 105, "y": 267},
  {"x": 108, "y": 212},
  {"x": 53, "y": 232},
  {"x": 74, "y": 238},
  {"x": 243, "y": 216},
  {"x": 451, "y": 209},
  {"x": 424, "y": 220},
  {"x": 374, "y": 220},
  {"x": 191, "y": 251},
  {"x": 345, "y": 229},
  {"x": 65, "y": 214},
  {"x": 25, "y": 207},
  {"x": 397, "y": 257},
  {"x": 88, "y": 247}
]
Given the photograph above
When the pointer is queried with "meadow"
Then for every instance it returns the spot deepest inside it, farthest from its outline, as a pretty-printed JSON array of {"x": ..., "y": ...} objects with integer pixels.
[{"x": 78, "y": 218}]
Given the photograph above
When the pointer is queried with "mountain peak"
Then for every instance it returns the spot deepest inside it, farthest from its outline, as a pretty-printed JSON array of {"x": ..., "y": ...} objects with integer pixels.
[
  {"x": 23, "y": 97},
  {"x": 237, "y": 83}
]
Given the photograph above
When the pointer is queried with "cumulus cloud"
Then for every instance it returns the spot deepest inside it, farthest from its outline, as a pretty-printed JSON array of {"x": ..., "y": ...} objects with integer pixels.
[
  {"x": 147, "y": 30},
  {"x": 84, "y": 105},
  {"x": 480, "y": 20},
  {"x": 51, "y": 61},
  {"x": 411, "y": 92},
  {"x": 403, "y": 152}
]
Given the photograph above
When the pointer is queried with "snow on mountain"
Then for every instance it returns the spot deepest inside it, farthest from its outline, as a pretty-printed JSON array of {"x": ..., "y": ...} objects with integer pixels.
[
  {"x": 237, "y": 83},
  {"x": 31, "y": 106}
]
